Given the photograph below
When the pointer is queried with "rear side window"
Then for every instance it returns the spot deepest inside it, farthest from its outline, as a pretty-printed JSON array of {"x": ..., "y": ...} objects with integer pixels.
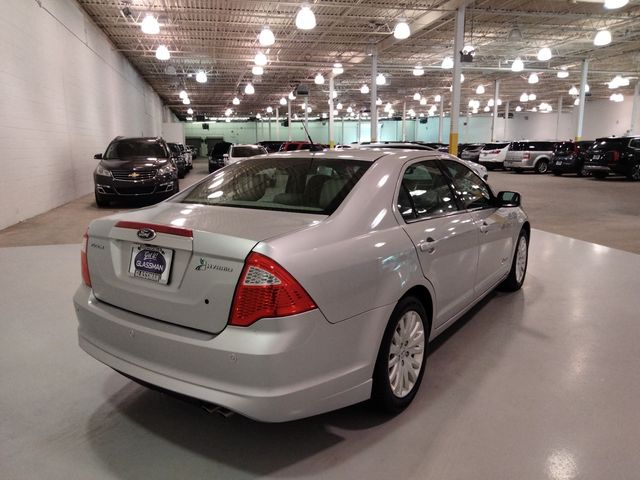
[
  {"x": 286, "y": 184},
  {"x": 542, "y": 146},
  {"x": 635, "y": 143},
  {"x": 424, "y": 192},
  {"x": 473, "y": 192},
  {"x": 610, "y": 143},
  {"x": 135, "y": 148},
  {"x": 247, "y": 151},
  {"x": 494, "y": 146}
]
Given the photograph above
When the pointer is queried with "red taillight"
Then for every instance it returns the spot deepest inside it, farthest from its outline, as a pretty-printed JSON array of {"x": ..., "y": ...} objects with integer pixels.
[
  {"x": 495, "y": 151},
  {"x": 265, "y": 289},
  {"x": 83, "y": 260},
  {"x": 615, "y": 155},
  {"x": 526, "y": 155}
]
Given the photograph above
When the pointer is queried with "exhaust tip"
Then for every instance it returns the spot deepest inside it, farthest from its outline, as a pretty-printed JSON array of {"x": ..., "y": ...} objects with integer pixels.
[{"x": 211, "y": 408}]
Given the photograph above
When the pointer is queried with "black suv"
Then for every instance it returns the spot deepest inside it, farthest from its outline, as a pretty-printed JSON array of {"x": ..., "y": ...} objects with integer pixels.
[
  {"x": 569, "y": 157},
  {"x": 135, "y": 169},
  {"x": 614, "y": 155},
  {"x": 216, "y": 156},
  {"x": 178, "y": 156}
]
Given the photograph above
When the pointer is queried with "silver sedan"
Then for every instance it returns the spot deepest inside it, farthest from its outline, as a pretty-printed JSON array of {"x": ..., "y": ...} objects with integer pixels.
[{"x": 296, "y": 283}]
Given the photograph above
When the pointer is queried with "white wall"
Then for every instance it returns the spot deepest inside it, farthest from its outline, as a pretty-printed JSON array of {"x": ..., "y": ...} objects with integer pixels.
[{"x": 65, "y": 94}]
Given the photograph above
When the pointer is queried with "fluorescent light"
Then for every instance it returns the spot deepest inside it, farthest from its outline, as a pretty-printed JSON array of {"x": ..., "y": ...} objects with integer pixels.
[
  {"x": 533, "y": 78},
  {"x": 613, "y": 4},
  {"x": 544, "y": 54},
  {"x": 260, "y": 59},
  {"x": 480, "y": 90},
  {"x": 201, "y": 77},
  {"x": 337, "y": 69},
  {"x": 447, "y": 63},
  {"x": 249, "y": 90},
  {"x": 603, "y": 37},
  {"x": 305, "y": 19},
  {"x": 418, "y": 71},
  {"x": 150, "y": 25},
  {"x": 402, "y": 30},
  {"x": 364, "y": 89},
  {"x": 162, "y": 53},
  {"x": 235, "y": 101},
  {"x": 266, "y": 37},
  {"x": 517, "y": 65},
  {"x": 417, "y": 96},
  {"x": 319, "y": 80},
  {"x": 283, "y": 101},
  {"x": 380, "y": 79},
  {"x": 256, "y": 70}
]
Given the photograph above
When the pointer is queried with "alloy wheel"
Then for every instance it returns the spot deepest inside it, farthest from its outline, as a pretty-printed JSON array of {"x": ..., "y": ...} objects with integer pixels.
[
  {"x": 521, "y": 259},
  {"x": 406, "y": 353}
]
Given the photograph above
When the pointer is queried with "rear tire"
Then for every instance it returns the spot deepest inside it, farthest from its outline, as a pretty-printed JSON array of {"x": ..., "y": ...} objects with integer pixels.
[
  {"x": 542, "y": 166},
  {"x": 402, "y": 357},
  {"x": 581, "y": 171},
  {"x": 518, "y": 271},
  {"x": 599, "y": 175},
  {"x": 634, "y": 174}
]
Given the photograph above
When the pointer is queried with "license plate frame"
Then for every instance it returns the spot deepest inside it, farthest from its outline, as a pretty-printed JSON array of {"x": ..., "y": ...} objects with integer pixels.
[{"x": 150, "y": 263}]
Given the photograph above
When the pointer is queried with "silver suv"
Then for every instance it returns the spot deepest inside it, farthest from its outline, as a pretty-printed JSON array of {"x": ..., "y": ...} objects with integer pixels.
[{"x": 529, "y": 156}]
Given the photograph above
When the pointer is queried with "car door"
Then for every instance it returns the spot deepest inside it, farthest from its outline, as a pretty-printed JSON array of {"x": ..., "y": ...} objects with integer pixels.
[
  {"x": 445, "y": 237},
  {"x": 494, "y": 225}
]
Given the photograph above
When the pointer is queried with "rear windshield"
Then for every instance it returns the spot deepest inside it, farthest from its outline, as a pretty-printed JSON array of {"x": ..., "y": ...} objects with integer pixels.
[
  {"x": 221, "y": 148},
  {"x": 564, "y": 147},
  {"x": 135, "y": 148},
  {"x": 608, "y": 143},
  {"x": 494, "y": 146},
  {"x": 305, "y": 185},
  {"x": 531, "y": 146},
  {"x": 241, "y": 152}
]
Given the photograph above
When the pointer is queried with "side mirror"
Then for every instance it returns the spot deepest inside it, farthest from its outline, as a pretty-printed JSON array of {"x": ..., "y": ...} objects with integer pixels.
[
  {"x": 98, "y": 156},
  {"x": 508, "y": 199}
]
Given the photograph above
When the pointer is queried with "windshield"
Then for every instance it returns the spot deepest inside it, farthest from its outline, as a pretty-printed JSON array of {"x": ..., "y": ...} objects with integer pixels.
[
  {"x": 135, "y": 148},
  {"x": 494, "y": 146},
  {"x": 305, "y": 185},
  {"x": 242, "y": 152},
  {"x": 174, "y": 148}
]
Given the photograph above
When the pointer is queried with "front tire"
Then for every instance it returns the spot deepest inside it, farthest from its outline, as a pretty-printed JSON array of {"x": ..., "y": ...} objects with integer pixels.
[
  {"x": 634, "y": 174},
  {"x": 101, "y": 201},
  {"x": 402, "y": 357},
  {"x": 518, "y": 271}
]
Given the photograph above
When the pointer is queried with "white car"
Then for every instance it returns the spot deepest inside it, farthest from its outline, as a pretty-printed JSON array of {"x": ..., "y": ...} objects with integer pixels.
[
  {"x": 281, "y": 300},
  {"x": 493, "y": 155},
  {"x": 240, "y": 152}
]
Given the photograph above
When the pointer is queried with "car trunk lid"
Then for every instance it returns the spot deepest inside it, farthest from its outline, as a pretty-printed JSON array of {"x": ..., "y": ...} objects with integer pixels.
[{"x": 184, "y": 266}]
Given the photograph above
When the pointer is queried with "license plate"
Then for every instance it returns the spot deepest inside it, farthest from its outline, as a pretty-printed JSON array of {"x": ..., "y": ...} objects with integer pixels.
[
  {"x": 596, "y": 157},
  {"x": 559, "y": 162},
  {"x": 150, "y": 263}
]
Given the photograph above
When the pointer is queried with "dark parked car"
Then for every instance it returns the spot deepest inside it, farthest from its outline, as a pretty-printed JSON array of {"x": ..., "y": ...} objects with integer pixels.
[
  {"x": 614, "y": 155},
  {"x": 179, "y": 159},
  {"x": 569, "y": 157},
  {"x": 216, "y": 155},
  {"x": 135, "y": 168},
  {"x": 471, "y": 151}
]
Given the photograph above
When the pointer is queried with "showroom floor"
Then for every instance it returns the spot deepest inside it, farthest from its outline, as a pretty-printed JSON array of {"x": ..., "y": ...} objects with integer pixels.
[
  {"x": 542, "y": 383},
  {"x": 537, "y": 384}
]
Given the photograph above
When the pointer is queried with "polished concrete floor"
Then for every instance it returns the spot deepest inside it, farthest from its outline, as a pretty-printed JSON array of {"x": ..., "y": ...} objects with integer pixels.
[
  {"x": 538, "y": 384},
  {"x": 603, "y": 212}
]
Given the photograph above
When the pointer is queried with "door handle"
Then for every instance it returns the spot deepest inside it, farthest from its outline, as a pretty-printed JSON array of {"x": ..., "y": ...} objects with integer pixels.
[{"x": 427, "y": 245}]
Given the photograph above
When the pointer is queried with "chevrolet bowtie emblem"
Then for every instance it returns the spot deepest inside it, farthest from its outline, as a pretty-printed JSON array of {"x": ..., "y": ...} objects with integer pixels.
[{"x": 134, "y": 175}]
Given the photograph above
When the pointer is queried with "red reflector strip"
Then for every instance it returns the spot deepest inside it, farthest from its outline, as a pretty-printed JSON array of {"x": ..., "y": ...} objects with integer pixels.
[{"x": 168, "y": 229}]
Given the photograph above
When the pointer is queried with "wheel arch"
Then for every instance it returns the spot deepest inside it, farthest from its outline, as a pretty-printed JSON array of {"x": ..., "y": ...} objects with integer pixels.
[{"x": 423, "y": 295}]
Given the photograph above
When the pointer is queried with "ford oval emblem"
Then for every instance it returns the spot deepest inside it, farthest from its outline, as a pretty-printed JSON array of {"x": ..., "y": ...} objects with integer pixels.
[{"x": 146, "y": 234}]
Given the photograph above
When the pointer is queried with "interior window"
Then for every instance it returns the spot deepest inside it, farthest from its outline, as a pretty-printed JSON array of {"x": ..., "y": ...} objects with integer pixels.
[
  {"x": 473, "y": 192},
  {"x": 424, "y": 192}
]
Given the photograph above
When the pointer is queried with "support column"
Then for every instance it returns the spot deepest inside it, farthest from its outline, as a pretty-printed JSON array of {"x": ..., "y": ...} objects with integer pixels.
[
  {"x": 306, "y": 114},
  {"x": 342, "y": 130},
  {"x": 494, "y": 119},
  {"x": 583, "y": 83},
  {"x": 277, "y": 124},
  {"x": 359, "y": 131},
  {"x": 457, "y": 70},
  {"x": 415, "y": 128},
  {"x": 633, "y": 128},
  {"x": 374, "y": 97},
  {"x": 506, "y": 119},
  {"x": 289, "y": 118},
  {"x": 441, "y": 120},
  {"x": 404, "y": 121},
  {"x": 269, "y": 120},
  {"x": 332, "y": 144},
  {"x": 559, "y": 117}
]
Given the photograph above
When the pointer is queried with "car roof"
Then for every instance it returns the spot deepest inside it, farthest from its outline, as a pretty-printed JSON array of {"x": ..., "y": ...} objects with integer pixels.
[
  {"x": 365, "y": 155},
  {"x": 137, "y": 138},
  {"x": 248, "y": 145}
]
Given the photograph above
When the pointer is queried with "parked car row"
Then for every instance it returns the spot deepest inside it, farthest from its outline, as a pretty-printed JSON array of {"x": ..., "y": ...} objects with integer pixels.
[{"x": 139, "y": 168}]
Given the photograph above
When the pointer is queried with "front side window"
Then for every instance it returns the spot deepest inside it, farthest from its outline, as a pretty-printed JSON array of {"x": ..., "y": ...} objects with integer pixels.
[
  {"x": 305, "y": 185},
  {"x": 473, "y": 192},
  {"x": 424, "y": 192}
]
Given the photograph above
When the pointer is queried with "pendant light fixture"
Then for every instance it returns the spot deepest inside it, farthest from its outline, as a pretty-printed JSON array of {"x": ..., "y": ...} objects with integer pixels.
[
  {"x": 260, "y": 59},
  {"x": 249, "y": 90},
  {"x": 544, "y": 54},
  {"x": 447, "y": 63},
  {"x": 150, "y": 25},
  {"x": 337, "y": 69},
  {"x": 162, "y": 53},
  {"x": 201, "y": 77},
  {"x": 235, "y": 101},
  {"x": 402, "y": 30},
  {"x": 417, "y": 96},
  {"x": 418, "y": 71},
  {"x": 266, "y": 37},
  {"x": 257, "y": 70},
  {"x": 603, "y": 37},
  {"x": 364, "y": 89},
  {"x": 190, "y": 111},
  {"x": 283, "y": 101},
  {"x": 573, "y": 90},
  {"x": 319, "y": 79},
  {"x": 305, "y": 18},
  {"x": 381, "y": 79},
  {"x": 480, "y": 90},
  {"x": 533, "y": 78},
  {"x": 423, "y": 101},
  {"x": 517, "y": 65}
]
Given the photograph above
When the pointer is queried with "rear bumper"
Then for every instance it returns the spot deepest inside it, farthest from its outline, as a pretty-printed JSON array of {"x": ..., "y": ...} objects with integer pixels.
[
  {"x": 276, "y": 370},
  {"x": 598, "y": 168}
]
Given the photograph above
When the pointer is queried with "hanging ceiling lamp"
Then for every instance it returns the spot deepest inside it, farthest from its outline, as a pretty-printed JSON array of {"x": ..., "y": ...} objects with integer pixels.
[
  {"x": 418, "y": 71},
  {"x": 260, "y": 59},
  {"x": 524, "y": 98},
  {"x": 319, "y": 79},
  {"x": 532, "y": 97},
  {"x": 437, "y": 98},
  {"x": 305, "y": 19},
  {"x": 150, "y": 25},
  {"x": 447, "y": 63},
  {"x": 337, "y": 69},
  {"x": 423, "y": 101},
  {"x": 603, "y": 37},
  {"x": 562, "y": 73},
  {"x": 573, "y": 90},
  {"x": 201, "y": 77},
  {"x": 269, "y": 109},
  {"x": 190, "y": 111},
  {"x": 235, "y": 101},
  {"x": 266, "y": 37},
  {"x": 283, "y": 101},
  {"x": 533, "y": 78},
  {"x": 613, "y": 4},
  {"x": 402, "y": 30},
  {"x": 417, "y": 96},
  {"x": 517, "y": 65},
  {"x": 480, "y": 90},
  {"x": 162, "y": 53},
  {"x": 364, "y": 89},
  {"x": 544, "y": 54},
  {"x": 257, "y": 70},
  {"x": 183, "y": 94},
  {"x": 249, "y": 90},
  {"x": 381, "y": 79}
]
